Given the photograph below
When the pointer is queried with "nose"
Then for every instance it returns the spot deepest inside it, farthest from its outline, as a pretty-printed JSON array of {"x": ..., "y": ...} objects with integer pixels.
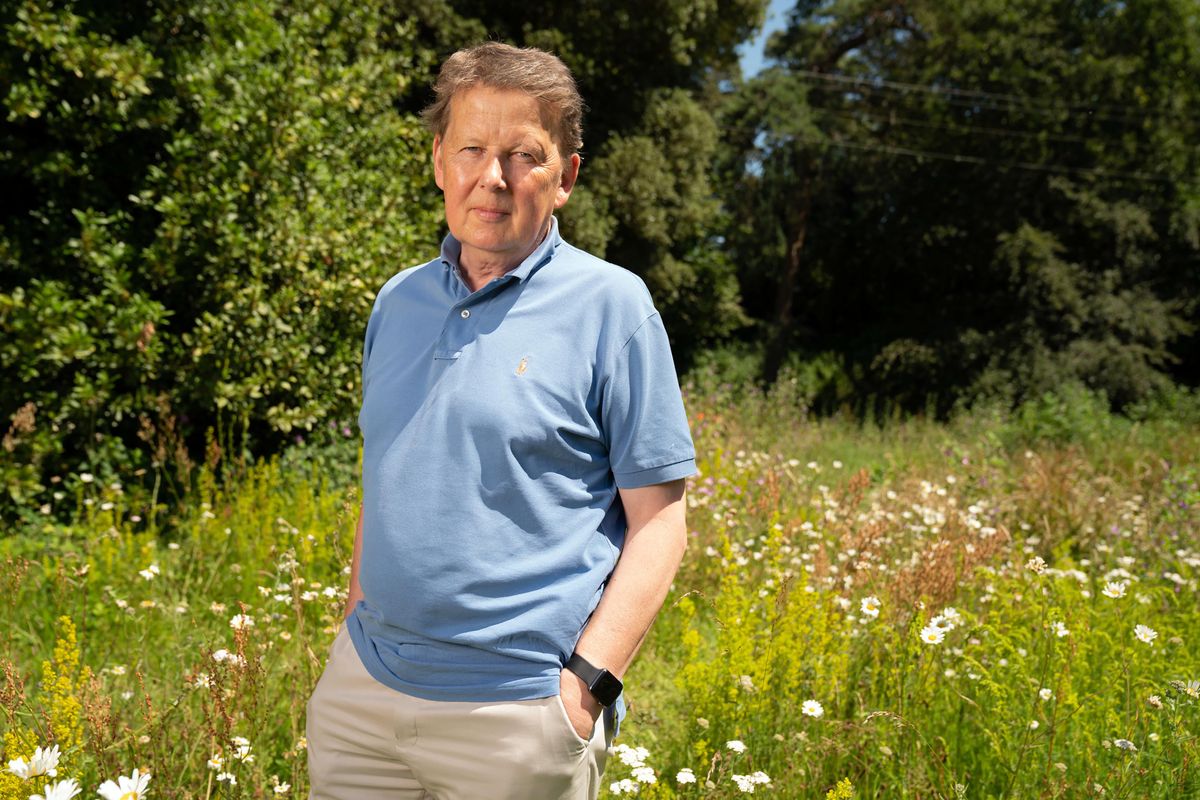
[{"x": 493, "y": 175}]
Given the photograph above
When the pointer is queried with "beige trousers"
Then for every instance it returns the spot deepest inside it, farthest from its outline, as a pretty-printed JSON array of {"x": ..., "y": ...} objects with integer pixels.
[{"x": 369, "y": 742}]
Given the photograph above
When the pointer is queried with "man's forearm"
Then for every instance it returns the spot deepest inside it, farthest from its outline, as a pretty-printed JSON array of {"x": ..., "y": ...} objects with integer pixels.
[
  {"x": 635, "y": 592},
  {"x": 355, "y": 592},
  {"x": 654, "y": 546}
]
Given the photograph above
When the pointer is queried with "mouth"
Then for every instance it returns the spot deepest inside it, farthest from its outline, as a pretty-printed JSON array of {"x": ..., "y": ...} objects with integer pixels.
[{"x": 491, "y": 214}]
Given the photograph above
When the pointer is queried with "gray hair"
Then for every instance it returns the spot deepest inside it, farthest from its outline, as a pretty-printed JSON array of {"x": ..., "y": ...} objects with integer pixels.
[{"x": 497, "y": 65}]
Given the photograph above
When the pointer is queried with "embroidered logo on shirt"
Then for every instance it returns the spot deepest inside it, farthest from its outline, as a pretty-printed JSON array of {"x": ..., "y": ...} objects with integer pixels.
[{"x": 523, "y": 365}]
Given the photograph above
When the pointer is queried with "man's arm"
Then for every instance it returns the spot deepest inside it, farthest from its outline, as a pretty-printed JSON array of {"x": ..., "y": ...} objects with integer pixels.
[
  {"x": 356, "y": 592},
  {"x": 654, "y": 546}
]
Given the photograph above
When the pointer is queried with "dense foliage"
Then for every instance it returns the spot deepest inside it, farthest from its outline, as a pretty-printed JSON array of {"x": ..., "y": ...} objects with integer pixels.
[
  {"x": 920, "y": 204},
  {"x": 974, "y": 200}
]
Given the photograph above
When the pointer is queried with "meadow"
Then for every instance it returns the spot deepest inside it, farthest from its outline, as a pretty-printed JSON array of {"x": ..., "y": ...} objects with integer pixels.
[{"x": 1003, "y": 606}]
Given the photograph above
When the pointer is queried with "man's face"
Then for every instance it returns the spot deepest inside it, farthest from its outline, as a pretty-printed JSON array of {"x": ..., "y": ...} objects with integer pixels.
[{"x": 501, "y": 174}]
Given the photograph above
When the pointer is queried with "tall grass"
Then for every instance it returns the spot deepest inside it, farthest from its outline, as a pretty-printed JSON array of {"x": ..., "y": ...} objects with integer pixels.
[{"x": 896, "y": 610}]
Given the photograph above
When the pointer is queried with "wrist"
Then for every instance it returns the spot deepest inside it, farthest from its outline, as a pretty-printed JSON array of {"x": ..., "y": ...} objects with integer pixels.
[{"x": 602, "y": 685}]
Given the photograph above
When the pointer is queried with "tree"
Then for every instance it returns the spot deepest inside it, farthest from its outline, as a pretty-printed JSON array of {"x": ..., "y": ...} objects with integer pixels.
[
  {"x": 211, "y": 193},
  {"x": 1002, "y": 194}
]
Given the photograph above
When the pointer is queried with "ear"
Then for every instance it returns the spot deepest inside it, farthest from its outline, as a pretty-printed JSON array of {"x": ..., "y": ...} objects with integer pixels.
[
  {"x": 437, "y": 162},
  {"x": 570, "y": 174}
]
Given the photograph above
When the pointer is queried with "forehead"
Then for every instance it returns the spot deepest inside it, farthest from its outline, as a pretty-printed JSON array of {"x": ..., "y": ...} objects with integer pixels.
[{"x": 484, "y": 110}]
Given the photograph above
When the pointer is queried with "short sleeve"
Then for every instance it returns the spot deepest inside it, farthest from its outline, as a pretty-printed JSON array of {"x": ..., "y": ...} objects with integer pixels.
[{"x": 644, "y": 422}]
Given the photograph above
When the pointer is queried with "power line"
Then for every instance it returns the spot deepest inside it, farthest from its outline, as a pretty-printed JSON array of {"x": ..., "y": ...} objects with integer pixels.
[
  {"x": 965, "y": 129},
  {"x": 991, "y": 100},
  {"x": 959, "y": 158}
]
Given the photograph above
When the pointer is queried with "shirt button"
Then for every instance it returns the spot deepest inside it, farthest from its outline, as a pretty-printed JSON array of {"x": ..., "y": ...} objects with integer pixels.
[{"x": 466, "y": 312}]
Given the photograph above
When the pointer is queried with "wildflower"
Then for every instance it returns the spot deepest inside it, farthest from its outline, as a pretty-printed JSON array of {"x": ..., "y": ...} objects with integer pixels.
[
  {"x": 1125, "y": 744},
  {"x": 301, "y": 743},
  {"x": 1154, "y": 701},
  {"x": 870, "y": 606},
  {"x": 63, "y": 790},
  {"x": 811, "y": 708},
  {"x": 150, "y": 572},
  {"x": 232, "y": 658},
  {"x": 932, "y": 635},
  {"x": 1152, "y": 737},
  {"x": 243, "y": 749},
  {"x": 644, "y": 775},
  {"x": 702, "y": 722},
  {"x": 216, "y": 762},
  {"x": 951, "y": 614},
  {"x": 623, "y": 786},
  {"x": 281, "y": 788},
  {"x": 746, "y": 683},
  {"x": 1034, "y": 724},
  {"x": 746, "y": 783},
  {"x": 1036, "y": 565},
  {"x": 241, "y": 621},
  {"x": 1192, "y": 689},
  {"x": 86, "y": 477},
  {"x": 229, "y": 777},
  {"x": 631, "y": 756},
  {"x": 1060, "y": 630},
  {"x": 1114, "y": 589},
  {"x": 941, "y": 623},
  {"x": 131, "y": 788},
  {"x": 1145, "y": 633},
  {"x": 736, "y": 745},
  {"x": 217, "y": 608},
  {"x": 685, "y": 775},
  {"x": 42, "y": 762}
]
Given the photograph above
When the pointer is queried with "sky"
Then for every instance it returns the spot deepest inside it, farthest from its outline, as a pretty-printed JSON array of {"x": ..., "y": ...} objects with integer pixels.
[{"x": 751, "y": 53}]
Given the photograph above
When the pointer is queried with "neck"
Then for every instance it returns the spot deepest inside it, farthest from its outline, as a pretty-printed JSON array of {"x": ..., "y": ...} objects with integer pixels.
[{"x": 478, "y": 268}]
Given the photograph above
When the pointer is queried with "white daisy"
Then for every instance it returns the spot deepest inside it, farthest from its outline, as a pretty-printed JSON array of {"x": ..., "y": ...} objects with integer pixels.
[
  {"x": 811, "y": 708},
  {"x": 131, "y": 788},
  {"x": 1045, "y": 694},
  {"x": 63, "y": 790},
  {"x": 241, "y": 621},
  {"x": 932, "y": 635},
  {"x": 1145, "y": 633},
  {"x": 942, "y": 623},
  {"x": 44, "y": 761},
  {"x": 870, "y": 606},
  {"x": 1114, "y": 589}
]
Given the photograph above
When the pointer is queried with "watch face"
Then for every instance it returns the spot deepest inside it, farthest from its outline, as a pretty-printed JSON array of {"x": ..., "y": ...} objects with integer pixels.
[{"x": 606, "y": 688}]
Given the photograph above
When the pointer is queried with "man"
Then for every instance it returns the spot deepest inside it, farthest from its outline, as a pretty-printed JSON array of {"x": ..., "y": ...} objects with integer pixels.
[{"x": 524, "y": 450}]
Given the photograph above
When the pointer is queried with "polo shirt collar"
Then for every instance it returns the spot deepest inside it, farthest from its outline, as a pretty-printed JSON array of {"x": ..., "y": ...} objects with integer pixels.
[{"x": 452, "y": 250}]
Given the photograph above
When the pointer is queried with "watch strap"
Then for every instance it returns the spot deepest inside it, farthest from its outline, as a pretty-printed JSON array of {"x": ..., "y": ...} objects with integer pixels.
[{"x": 603, "y": 685}]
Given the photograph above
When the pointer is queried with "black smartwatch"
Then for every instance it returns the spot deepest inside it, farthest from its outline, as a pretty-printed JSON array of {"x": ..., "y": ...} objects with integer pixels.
[{"x": 603, "y": 685}]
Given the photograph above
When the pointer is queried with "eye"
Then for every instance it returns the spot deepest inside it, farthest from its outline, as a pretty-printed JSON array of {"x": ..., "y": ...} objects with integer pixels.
[{"x": 524, "y": 156}]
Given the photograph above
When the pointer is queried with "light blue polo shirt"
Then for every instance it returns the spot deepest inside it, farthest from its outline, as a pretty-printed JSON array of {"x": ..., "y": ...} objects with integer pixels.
[{"x": 497, "y": 427}]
